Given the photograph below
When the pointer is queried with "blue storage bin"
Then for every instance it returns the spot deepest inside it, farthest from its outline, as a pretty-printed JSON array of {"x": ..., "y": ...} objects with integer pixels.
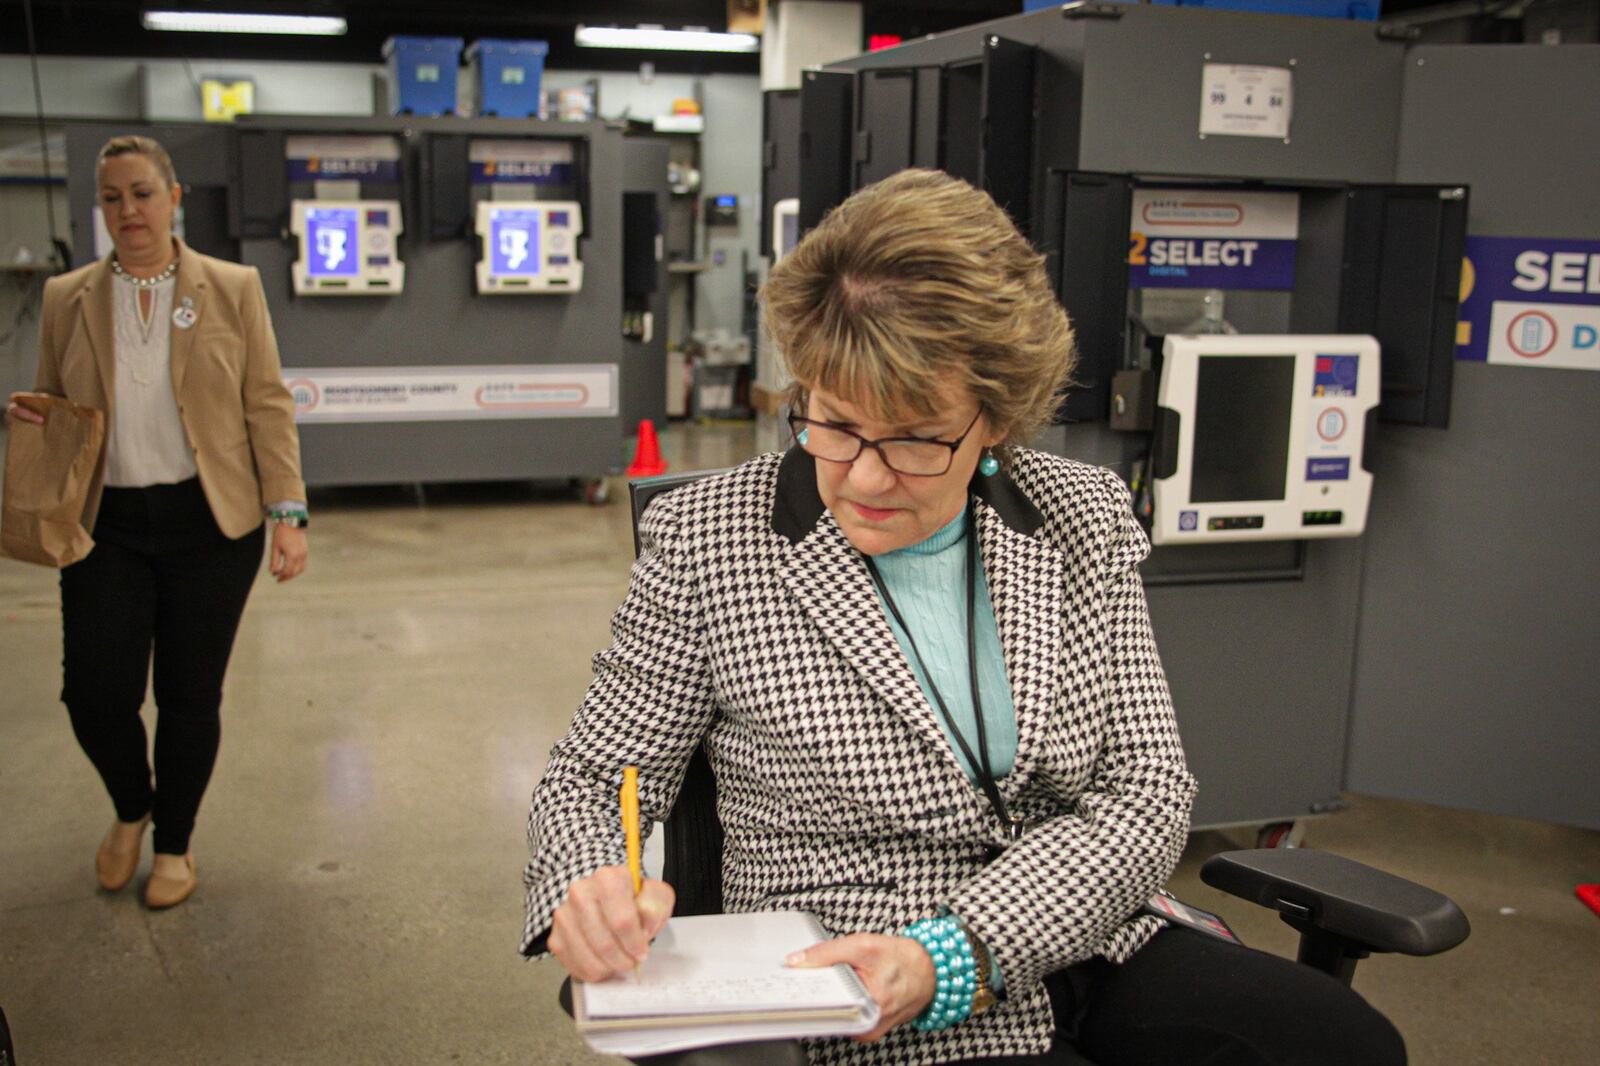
[
  {"x": 508, "y": 75},
  {"x": 422, "y": 74}
]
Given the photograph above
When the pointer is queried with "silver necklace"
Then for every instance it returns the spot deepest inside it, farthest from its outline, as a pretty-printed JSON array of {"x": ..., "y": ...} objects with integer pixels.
[{"x": 144, "y": 283}]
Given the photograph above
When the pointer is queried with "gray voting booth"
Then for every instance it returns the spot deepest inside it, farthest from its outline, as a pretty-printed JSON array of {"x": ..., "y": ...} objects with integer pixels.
[
  {"x": 1069, "y": 117},
  {"x": 409, "y": 359}
]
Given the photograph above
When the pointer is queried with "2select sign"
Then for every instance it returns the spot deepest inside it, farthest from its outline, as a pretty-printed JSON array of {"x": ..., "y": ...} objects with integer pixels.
[
  {"x": 1212, "y": 238},
  {"x": 1530, "y": 302}
]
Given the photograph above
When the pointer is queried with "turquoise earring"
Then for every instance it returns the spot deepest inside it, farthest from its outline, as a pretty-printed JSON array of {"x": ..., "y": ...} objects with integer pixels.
[
  {"x": 988, "y": 466},
  {"x": 803, "y": 436}
]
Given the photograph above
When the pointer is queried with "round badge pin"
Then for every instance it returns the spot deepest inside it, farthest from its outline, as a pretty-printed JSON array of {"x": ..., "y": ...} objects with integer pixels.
[{"x": 184, "y": 317}]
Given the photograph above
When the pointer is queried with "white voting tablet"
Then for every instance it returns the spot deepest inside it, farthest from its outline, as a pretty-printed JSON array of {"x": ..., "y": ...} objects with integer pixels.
[{"x": 1262, "y": 437}]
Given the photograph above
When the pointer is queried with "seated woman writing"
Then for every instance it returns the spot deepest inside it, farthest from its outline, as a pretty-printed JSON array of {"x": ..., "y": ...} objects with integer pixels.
[{"x": 919, "y": 658}]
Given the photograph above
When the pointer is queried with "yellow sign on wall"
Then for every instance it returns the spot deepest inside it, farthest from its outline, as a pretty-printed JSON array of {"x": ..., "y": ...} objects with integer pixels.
[{"x": 220, "y": 100}]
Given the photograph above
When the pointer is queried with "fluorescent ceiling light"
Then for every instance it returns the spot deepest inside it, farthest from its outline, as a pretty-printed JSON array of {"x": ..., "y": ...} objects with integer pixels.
[
  {"x": 220, "y": 22},
  {"x": 667, "y": 40}
]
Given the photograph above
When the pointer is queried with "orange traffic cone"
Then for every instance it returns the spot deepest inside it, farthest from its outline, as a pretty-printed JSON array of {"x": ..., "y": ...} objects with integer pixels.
[{"x": 647, "y": 461}]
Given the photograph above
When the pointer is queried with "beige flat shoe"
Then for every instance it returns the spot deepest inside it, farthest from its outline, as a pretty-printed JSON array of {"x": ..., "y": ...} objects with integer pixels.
[
  {"x": 163, "y": 890},
  {"x": 115, "y": 866}
]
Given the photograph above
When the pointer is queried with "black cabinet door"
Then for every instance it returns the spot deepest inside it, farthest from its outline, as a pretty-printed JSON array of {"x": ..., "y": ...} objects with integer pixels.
[
  {"x": 826, "y": 111},
  {"x": 780, "y": 155},
  {"x": 1005, "y": 152},
  {"x": 1085, "y": 240},
  {"x": 885, "y": 124},
  {"x": 1402, "y": 284}
]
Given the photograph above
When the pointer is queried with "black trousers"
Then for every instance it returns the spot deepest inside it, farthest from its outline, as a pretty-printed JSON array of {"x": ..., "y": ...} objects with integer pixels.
[
  {"x": 162, "y": 579},
  {"x": 1187, "y": 999}
]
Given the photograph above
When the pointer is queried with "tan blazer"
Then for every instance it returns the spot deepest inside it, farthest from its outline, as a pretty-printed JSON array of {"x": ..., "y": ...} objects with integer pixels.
[{"x": 237, "y": 414}]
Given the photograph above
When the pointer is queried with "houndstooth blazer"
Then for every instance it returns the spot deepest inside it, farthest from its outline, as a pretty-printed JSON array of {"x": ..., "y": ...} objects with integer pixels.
[{"x": 751, "y": 625}]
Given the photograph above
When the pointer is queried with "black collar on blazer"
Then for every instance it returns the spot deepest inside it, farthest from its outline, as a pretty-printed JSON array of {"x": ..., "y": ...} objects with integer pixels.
[{"x": 798, "y": 505}]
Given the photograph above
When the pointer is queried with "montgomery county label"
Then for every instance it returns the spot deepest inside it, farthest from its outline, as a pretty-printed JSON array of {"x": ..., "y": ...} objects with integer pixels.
[{"x": 422, "y": 394}]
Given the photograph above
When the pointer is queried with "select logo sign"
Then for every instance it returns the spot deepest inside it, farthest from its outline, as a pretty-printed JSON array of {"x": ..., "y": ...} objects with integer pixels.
[{"x": 1530, "y": 301}]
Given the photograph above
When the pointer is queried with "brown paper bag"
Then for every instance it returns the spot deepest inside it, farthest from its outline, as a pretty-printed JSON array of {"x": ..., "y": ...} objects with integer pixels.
[{"x": 48, "y": 471}]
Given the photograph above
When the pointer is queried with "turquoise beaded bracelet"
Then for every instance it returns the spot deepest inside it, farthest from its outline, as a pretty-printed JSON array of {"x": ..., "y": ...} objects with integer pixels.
[{"x": 954, "y": 968}]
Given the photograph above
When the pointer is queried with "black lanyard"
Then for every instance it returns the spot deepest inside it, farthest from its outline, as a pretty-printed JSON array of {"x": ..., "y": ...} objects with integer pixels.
[{"x": 986, "y": 780}]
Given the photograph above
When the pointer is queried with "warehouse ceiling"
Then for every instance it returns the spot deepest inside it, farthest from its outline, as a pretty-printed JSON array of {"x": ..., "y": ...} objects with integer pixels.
[{"x": 112, "y": 27}]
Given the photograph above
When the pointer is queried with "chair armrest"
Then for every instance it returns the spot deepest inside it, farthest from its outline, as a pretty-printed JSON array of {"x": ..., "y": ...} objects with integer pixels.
[{"x": 1342, "y": 897}]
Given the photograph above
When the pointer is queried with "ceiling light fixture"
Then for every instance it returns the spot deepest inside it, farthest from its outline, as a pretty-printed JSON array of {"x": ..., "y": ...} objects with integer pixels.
[
  {"x": 222, "y": 22},
  {"x": 654, "y": 37}
]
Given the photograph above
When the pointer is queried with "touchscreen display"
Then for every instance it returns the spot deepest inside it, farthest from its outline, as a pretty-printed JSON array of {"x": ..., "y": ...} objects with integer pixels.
[
  {"x": 331, "y": 242},
  {"x": 1241, "y": 428},
  {"x": 514, "y": 243}
]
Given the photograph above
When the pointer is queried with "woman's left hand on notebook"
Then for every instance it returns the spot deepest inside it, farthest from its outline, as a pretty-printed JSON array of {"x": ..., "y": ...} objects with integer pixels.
[{"x": 896, "y": 970}]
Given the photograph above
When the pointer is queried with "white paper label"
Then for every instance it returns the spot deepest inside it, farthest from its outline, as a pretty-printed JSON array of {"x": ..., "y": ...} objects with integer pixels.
[
  {"x": 1562, "y": 336},
  {"x": 446, "y": 393},
  {"x": 1246, "y": 101}
]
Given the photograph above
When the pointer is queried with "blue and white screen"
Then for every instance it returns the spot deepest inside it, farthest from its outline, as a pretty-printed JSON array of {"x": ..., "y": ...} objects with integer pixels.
[
  {"x": 514, "y": 243},
  {"x": 332, "y": 242}
]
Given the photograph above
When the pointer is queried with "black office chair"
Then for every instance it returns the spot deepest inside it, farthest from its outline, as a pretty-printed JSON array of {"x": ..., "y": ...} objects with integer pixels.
[{"x": 1343, "y": 910}]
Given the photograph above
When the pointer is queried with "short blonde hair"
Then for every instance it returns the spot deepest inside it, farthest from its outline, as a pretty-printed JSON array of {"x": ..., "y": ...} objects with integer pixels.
[
  {"x": 148, "y": 147},
  {"x": 912, "y": 284}
]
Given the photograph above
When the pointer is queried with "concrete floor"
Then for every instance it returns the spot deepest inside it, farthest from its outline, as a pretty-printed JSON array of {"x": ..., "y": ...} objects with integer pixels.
[{"x": 359, "y": 852}]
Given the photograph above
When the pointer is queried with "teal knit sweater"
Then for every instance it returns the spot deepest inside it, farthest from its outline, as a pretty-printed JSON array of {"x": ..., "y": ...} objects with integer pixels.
[{"x": 925, "y": 580}]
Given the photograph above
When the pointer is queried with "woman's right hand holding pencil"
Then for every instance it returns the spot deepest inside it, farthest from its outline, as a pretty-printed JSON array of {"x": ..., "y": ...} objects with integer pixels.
[{"x": 602, "y": 930}]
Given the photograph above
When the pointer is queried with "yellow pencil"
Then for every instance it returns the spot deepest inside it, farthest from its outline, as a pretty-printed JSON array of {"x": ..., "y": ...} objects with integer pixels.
[
  {"x": 629, "y": 799},
  {"x": 630, "y": 823}
]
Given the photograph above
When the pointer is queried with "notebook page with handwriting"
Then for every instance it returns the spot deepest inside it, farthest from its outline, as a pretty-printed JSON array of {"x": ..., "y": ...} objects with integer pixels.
[{"x": 721, "y": 978}]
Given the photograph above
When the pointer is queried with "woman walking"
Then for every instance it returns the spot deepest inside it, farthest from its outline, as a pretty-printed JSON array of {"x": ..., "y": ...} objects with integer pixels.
[{"x": 177, "y": 349}]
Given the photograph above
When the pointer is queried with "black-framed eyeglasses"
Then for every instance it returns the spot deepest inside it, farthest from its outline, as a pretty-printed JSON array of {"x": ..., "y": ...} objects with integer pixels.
[{"x": 912, "y": 456}]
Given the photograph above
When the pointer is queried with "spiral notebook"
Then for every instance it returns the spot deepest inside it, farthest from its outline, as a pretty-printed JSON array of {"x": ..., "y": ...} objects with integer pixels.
[{"x": 720, "y": 979}]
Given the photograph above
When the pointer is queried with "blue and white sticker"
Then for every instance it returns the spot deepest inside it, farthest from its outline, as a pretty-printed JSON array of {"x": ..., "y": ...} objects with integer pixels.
[
  {"x": 1188, "y": 521},
  {"x": 1335, "y": 469},
  {"x": 1336, "y": 375}
]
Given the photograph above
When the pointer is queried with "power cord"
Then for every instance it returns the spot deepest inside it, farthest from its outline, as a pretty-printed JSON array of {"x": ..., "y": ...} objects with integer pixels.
[
  {"x": 62, "y": 252},
  {"x": 1143, "y": 499},
  {"x": 29, "y": 304}
]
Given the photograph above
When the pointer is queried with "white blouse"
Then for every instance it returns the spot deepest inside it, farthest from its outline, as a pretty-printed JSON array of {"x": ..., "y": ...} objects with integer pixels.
[{"x": 148, "y": 445}]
